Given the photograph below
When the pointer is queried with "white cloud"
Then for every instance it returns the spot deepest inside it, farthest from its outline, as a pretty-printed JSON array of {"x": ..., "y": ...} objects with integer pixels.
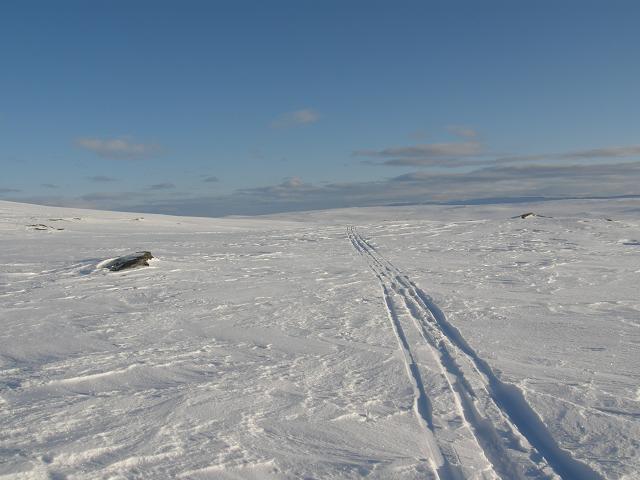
[
  {"x": 298, "y": 117},
  {"x": 117, "y": 148}
]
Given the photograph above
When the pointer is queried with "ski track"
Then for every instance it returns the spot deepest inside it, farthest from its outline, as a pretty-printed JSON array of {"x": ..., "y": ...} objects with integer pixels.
[{"x": 476, "y": 425}]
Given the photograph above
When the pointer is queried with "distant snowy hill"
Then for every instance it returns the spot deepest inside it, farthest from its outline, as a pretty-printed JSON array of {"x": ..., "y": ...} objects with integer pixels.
[{"x": 390, "y": 343}]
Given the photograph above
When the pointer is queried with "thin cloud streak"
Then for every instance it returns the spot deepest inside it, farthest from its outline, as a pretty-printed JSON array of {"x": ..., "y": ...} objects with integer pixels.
[
  {"x": 461, "y": 131},
  {"x": 294, "y": 194},
  {"x": 117, "y": 148},
  {"x": 437, "y": 155},
  {"x": 503, "y": 182},
  {"x": 474, "y": 154},
  {"x": 589, "y": 154},
  {"x": 101, "y": 179},
  {"x": 161, "y": 186},
  {"x": 431, "y": 162},
  {"x": 305, "y": 116},
  {"x": 427, "y": 151}
]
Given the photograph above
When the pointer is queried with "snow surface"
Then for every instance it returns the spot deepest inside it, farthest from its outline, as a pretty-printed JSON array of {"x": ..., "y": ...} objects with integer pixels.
[{"x": 390, "y": 342}]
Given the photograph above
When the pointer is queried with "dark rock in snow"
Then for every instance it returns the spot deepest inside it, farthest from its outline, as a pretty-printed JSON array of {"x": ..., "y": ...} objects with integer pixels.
[
  {"x": 42, "y": 226},
  {"x": 531, "y": 214},
  {"x": 38, "y": 226},
  {"x": 138, "y": 259}
]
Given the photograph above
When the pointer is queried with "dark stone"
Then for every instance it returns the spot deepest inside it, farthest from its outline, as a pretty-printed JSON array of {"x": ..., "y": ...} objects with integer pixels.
[
  {"x": 530, "y": 214},
  {"x": 42, "y": 226},
  {"x": 138, "y": 259},
  {"x": 39, "y": 226}
]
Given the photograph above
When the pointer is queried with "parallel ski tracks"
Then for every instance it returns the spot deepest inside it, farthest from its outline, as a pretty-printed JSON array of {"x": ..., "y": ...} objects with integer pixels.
[{"x": 476, "y": 426}]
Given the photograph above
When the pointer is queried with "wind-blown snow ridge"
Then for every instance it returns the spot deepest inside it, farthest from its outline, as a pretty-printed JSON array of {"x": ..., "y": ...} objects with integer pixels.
[{"x": 496, "y": 412}]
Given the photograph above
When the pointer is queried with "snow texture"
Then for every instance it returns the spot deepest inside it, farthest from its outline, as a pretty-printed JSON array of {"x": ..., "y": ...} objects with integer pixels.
[{"x": 426, "y": 342}]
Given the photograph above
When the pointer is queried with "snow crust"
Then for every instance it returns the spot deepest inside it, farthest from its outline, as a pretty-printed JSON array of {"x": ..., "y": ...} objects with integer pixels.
[{"x": 390, "y": 342}]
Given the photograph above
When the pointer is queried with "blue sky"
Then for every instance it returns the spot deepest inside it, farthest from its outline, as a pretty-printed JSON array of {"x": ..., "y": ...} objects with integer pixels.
[{"x": 226, "y": 107}]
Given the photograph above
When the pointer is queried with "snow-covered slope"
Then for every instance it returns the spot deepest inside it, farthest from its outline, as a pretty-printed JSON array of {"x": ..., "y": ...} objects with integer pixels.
[{"x": 408, "y": 342}]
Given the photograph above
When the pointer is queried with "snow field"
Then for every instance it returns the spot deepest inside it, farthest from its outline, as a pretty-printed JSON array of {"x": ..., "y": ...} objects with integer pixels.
[{"x": 427, "y": 342}]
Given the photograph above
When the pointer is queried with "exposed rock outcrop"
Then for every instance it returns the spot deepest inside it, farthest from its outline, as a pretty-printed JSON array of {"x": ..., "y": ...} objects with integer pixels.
[
  {"x": 133, "y": 260},
  {"x": 43, "y": 227}
]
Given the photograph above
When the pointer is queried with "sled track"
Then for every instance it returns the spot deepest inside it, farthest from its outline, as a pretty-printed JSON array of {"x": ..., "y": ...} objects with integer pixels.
[{"x": 476, "y": 425}]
